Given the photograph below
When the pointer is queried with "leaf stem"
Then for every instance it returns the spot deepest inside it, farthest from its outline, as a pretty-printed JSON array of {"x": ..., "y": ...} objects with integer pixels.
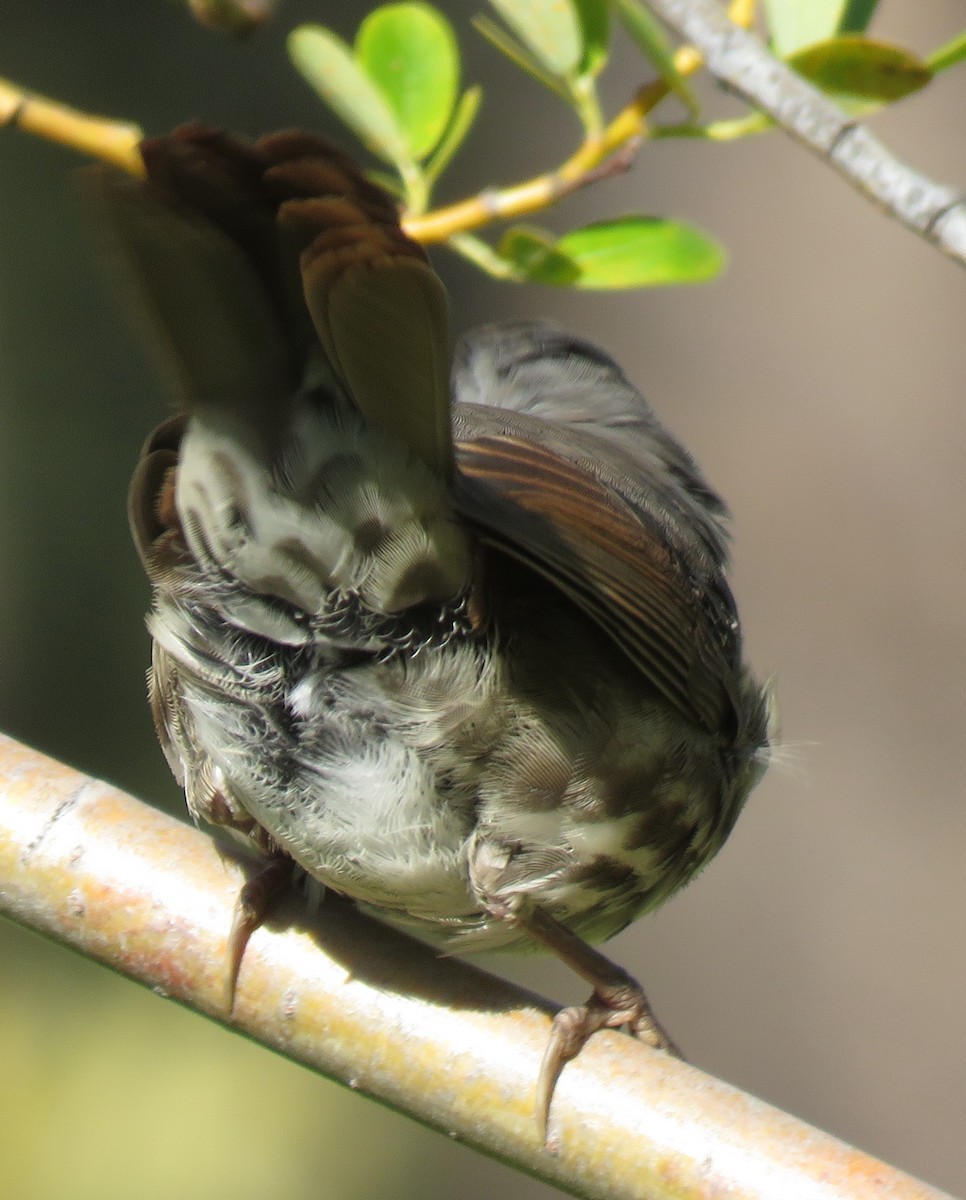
[
  {"x": 482, "y": 255},
  {"x": 415, "y": 186}
]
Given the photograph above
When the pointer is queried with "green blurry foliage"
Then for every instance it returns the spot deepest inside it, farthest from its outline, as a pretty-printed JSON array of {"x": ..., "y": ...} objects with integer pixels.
[{"x": 398, "y": 89}]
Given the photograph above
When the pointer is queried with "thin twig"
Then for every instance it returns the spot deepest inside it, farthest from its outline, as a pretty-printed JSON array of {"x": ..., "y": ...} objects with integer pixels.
[
  {"x": 623, "y": 134},
  {"x": 740, "y": 61},
  {"x": 111, "y": 141},
  {"x": 451, "y": 1046}
]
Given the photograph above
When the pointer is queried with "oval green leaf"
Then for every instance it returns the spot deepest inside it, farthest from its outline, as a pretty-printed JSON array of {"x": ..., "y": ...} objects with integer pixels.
[
  {"x": 856, "y": 68},
  {"x": 550, "y": 29},
  {"x": 639, "y": 251},
  {"x": 793, "y": 24},
  {"x": 329, "y": 66},
  {"x": 409, "y": 51}
]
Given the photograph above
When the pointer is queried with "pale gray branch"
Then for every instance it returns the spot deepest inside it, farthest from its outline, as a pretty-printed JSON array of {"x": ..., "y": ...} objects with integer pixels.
[
  {"x": 741, "y": 62},
  {"x": 435, "y": 1038}
]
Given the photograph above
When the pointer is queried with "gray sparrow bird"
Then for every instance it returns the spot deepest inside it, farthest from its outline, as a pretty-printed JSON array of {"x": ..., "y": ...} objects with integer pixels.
[{"x": 452, "y": 632}]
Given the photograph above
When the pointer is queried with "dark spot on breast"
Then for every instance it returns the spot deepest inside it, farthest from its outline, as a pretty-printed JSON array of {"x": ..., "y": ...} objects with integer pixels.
[
  {"x": 368, "y": 535},
  {"x": 300, "y": 556},
  {"x": 628, "y": 787},
  {"x": 603, "y": 874},
  {"x": 663, "y": 829}
]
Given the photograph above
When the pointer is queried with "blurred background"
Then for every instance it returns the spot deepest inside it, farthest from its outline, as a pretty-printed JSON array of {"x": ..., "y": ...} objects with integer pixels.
[{"x": 820, "y": 961}]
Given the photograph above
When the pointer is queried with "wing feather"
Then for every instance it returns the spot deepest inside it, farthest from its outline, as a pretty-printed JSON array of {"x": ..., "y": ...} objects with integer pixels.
[{"x": 671, "y": 614}]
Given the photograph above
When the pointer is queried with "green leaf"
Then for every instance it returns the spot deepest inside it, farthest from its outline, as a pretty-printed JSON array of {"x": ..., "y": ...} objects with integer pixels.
[
  {"x": 455, "y": 135},
  {"x": 628, "y": 252},
  {"x": 856, "y": 15},
  {"x": 948, "y": 55},
  {"x": 534, "y": 252},
  {"x": 594, "y": 19},
  {"x": 652, "y": 41},
  {"x": 330, "y": 67},
  {"x": 550, "y": 29},
  {"x": 639, "y": 251},
  {"x": 857, "y": 69},
  {"x": 797, "y": 23},
  {"x": 409, "y": 51},
  {"x": 498, "y": 37}
]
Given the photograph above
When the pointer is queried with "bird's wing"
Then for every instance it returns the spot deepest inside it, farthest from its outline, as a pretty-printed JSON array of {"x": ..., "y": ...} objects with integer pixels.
[{"x": 571, "y": 506}]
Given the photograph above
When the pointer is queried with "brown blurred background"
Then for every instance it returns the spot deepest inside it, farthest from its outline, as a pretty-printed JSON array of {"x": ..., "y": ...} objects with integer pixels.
[{"x": 820, "y": 962}]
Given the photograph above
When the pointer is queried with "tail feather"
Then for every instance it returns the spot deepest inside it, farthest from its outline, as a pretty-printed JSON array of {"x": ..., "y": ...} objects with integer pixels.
[
  {"x": 205, "y": 310},
  {"x": 245, "y": 257},
  {"x": 381, "y": 314},
  {"x": 309, "y": 342}
]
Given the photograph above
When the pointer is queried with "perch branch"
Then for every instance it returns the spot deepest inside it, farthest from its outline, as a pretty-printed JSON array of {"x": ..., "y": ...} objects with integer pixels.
[{"x": 97, "y": 870}]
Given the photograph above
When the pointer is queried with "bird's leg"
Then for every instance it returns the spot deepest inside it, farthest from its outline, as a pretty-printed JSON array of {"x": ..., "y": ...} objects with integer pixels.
[
  {"x": 617, "y": 1002},
  {"x": 255, "y": 901}
]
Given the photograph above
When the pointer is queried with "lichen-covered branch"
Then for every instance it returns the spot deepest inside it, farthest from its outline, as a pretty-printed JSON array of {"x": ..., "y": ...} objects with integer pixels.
[{"x": 435, "y": 1038}]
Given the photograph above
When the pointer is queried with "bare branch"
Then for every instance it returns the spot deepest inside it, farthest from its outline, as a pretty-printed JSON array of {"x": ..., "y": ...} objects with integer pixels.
[
  {"x": 740, "y": 61},
  {"x": 440, "y": 1040},
  {"x": 112, "y": 141}
]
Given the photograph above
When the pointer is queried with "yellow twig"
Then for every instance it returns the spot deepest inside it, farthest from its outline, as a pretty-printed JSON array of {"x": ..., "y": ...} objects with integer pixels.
[
  {"x": 112, "y": 141},
  {"x": 629, "y": 125},
  {"x": 117, "y": 142}
]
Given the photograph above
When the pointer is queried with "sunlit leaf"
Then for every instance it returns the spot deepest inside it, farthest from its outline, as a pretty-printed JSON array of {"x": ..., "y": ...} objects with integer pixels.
[
  {"x": 331, "y": 69},
  {"x": 797, "y": 23},
  {"x": 409, "y": 51},
  {"x": 652, "y": 41},
  {"x": 628, "y": 252},
  {"x": 855, "y": 68},
  {"x": 550, "y": 30}
]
